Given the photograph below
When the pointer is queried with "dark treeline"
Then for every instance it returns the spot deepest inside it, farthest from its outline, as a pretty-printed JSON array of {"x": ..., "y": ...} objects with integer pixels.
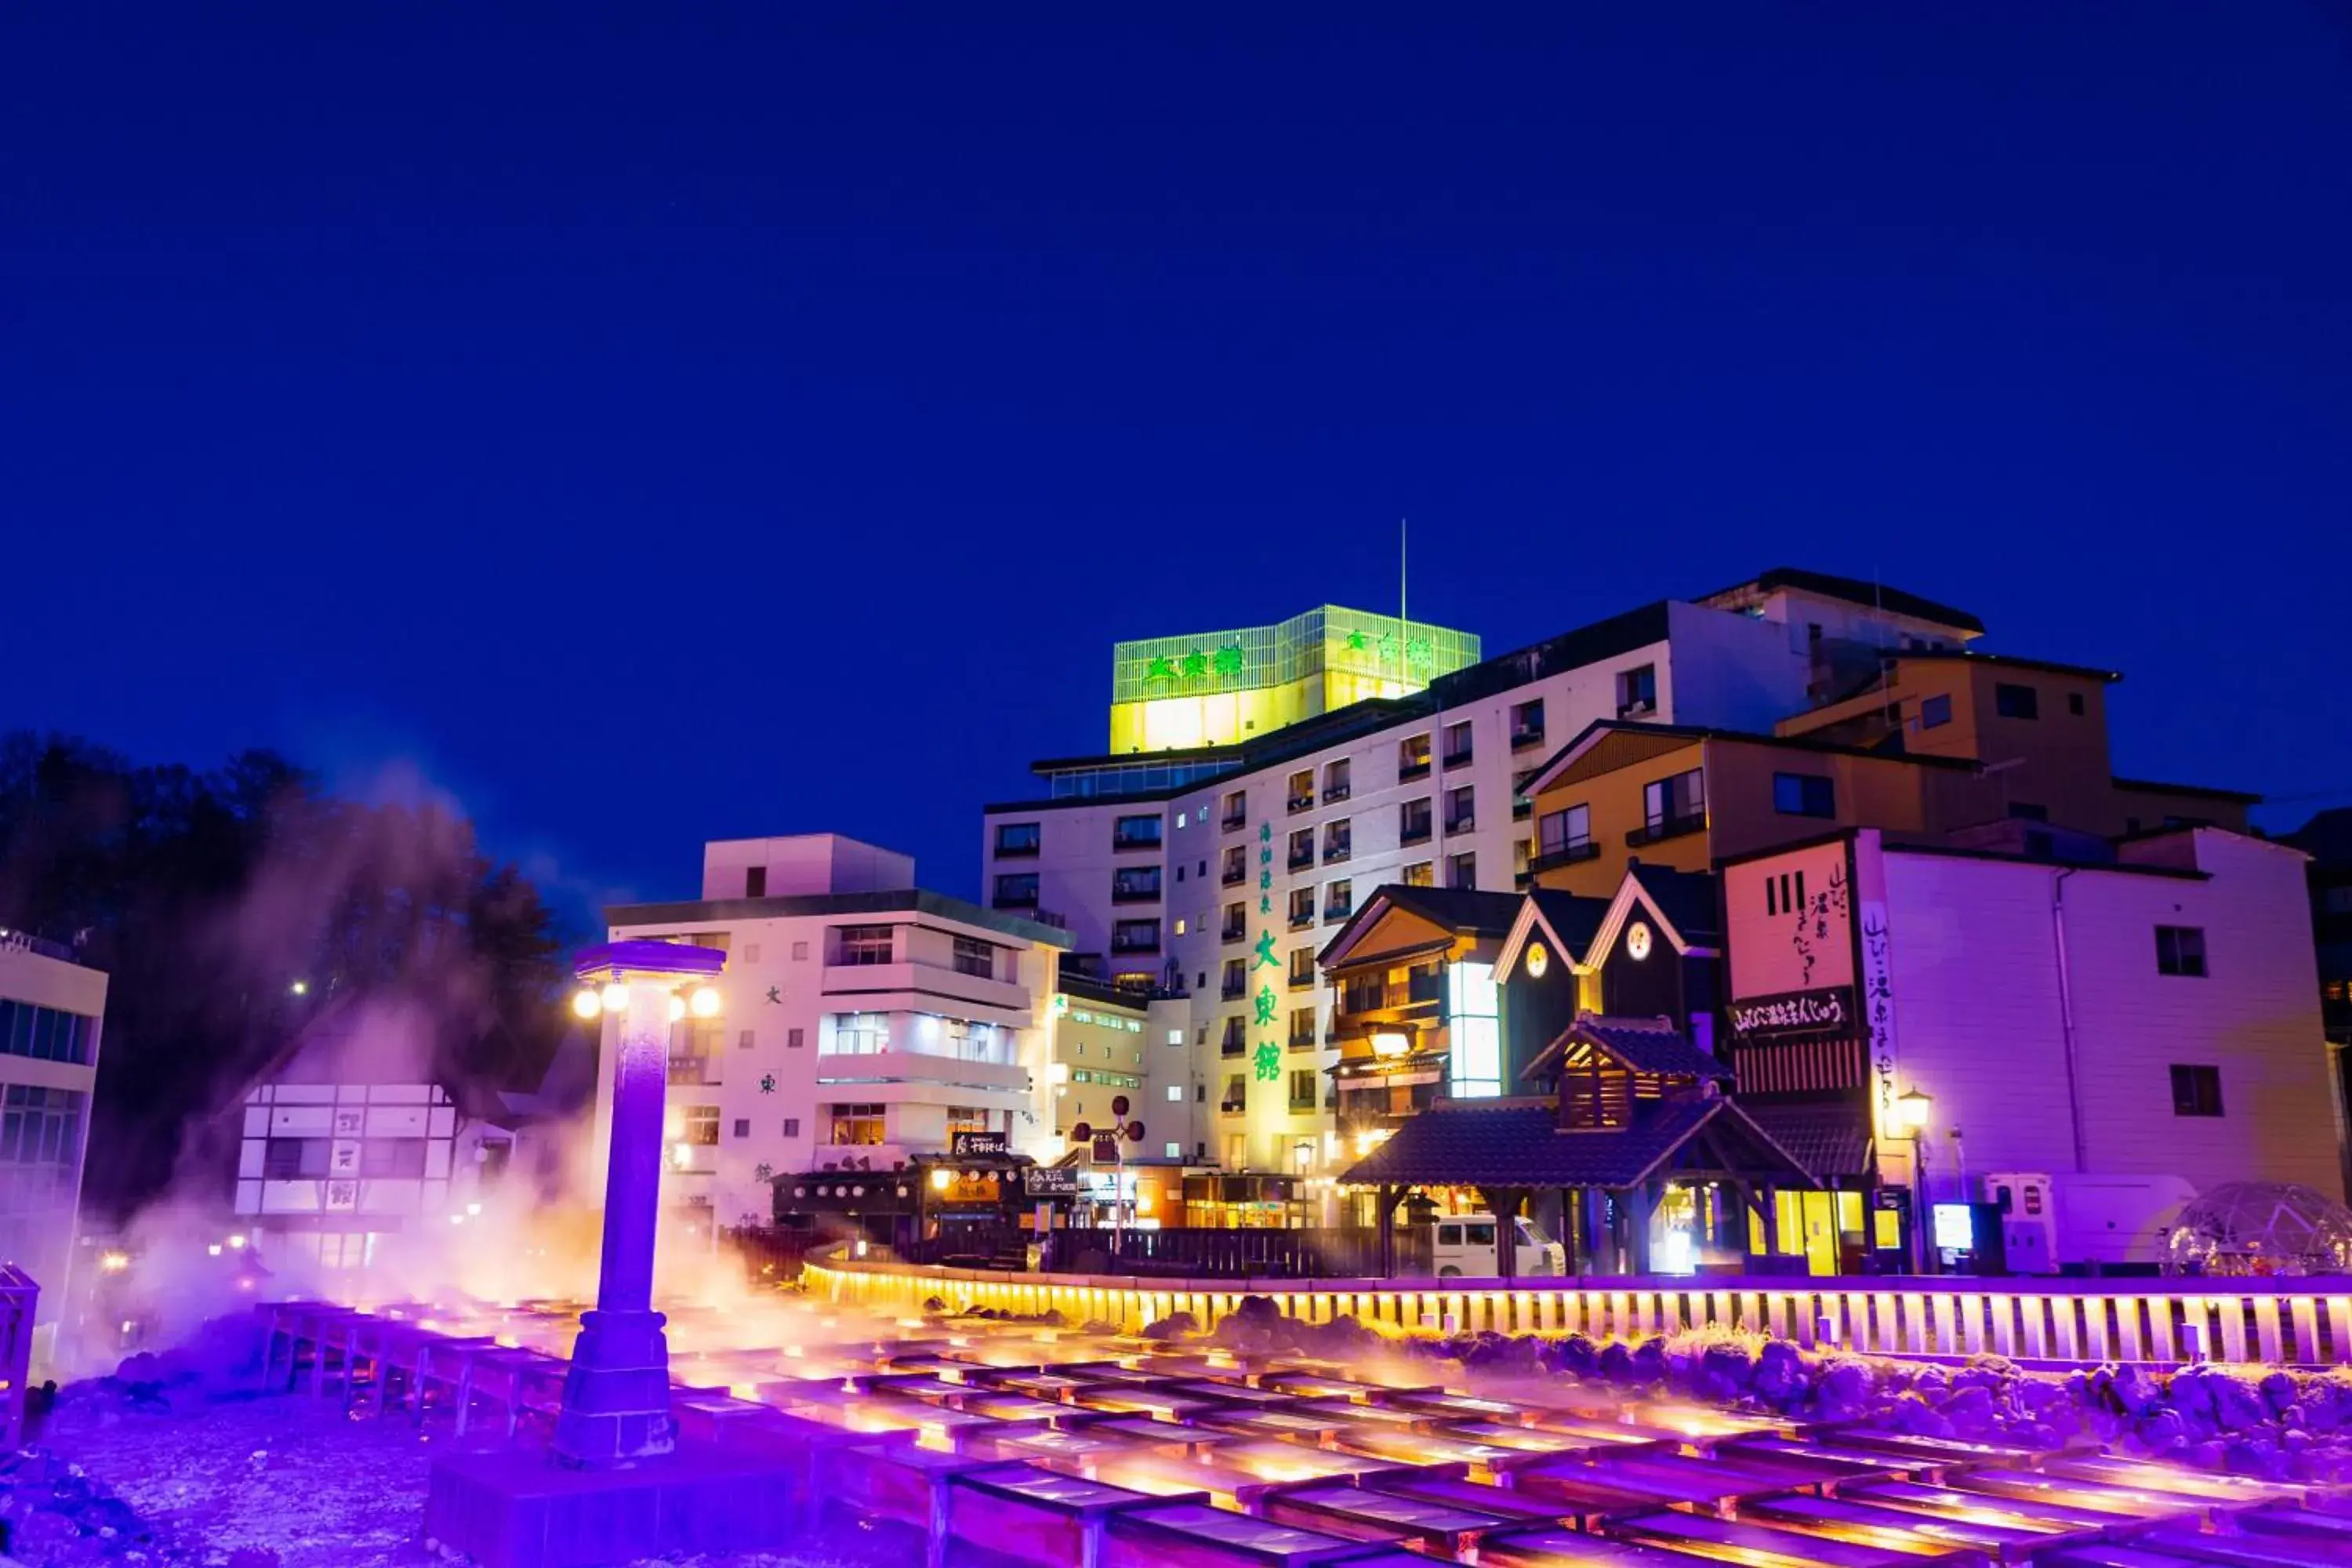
[{"x": 207, "y": 895}]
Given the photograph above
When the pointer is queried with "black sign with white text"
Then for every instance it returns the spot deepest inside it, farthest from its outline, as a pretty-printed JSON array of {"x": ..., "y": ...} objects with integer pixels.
[
  {"x": 1829, "y": 1012},
  {"x": 968, "y": 1143}
]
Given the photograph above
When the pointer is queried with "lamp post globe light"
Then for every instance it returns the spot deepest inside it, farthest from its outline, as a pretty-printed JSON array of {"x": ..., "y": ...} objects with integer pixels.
[
  {"x": 1912, "y": 1112},
  {"x": 615, "y": 1407}
]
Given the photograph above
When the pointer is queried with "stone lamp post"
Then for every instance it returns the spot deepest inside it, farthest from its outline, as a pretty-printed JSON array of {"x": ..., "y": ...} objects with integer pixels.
[{"x": 617, "y": 1395}]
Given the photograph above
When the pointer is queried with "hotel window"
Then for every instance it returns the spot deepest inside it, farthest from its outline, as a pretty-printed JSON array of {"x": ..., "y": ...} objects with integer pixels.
[
  {"x": 742, "y": 1127},
  {"x": 1135, "y": 936},
  {"x": 1234, "y": 985},
  {"x": 755, "y": 882},
  {"x": 702, "y": 1125},
  {"x": 1135, "y": 885},
  {"x": 1175, "y": 1094},
  {"x": 1567, "y": 831},
  {"x": 854, "y": 1125},
  {"x": 381, "y": 1157},
  {"x": 1234, "y": 869},
  {"x": 44, "y": 1033},
  {"x": 1236, "y": 813},
  {"x": 1235, "y": 1099},
  {"x": 1462, "y": 871},
  {"x": 1302, "y": 849},
  {"x": 2016, "y": 702},
  {"x": 2074, "y": 704},
  {"x": 1017, "y": 839},
  {"x": 1462, "y": 809},
  {"x": 794, "y": 1039},
  {"x": 1523, "y": 857},
  {"x": 855, "y": 1035},
  {"x": 1637, "y": 692},
  {"x": 969, "y": 1042},
  {"x": 1339, "y": 838},
  {"x": 1302, "y": 966},
  {"x": 1521, "y": 806},
  {"x": 1302, "y": 1028},
  {"x": 792, "y": 1126},
  {"x": 1412, "y": 758},
  {"x": 1300, "y": 793},
  {"x": 1236, "y": 1039},
  {"x": 1457, "y": 744},
  {"x": 1340, "y": 900},
  {"x": 1236, "y": 923},
  {"x": 1302, "y": 1091},
  {"x": 743, "y": 1039},
  {"x": 1412, "y": 821},
  {"x": 966, "y": 1119},
  {"x": 1675, "y": 805},
  {"x": 1528, "y": 724},
  {"x": 2196, "y": 1090},
  {"x": 282, "y": 1159},
  {"x": 974, "y": 956},
  {"x": 2180, "y": 949},
  {"x": 1935, "y": 711},
  {"x": 1302, "y": 907},
  {"x": 1802, "y": 795},
  {"x": 800, "y": 948},
  {"x": 1337, "y": 780},
  {"x": 861, "y": 944},
  {"x": 1421, "y": 874},
  {"x": 1135, "y": 833},
  {"x": 1172, "y": 1151}
]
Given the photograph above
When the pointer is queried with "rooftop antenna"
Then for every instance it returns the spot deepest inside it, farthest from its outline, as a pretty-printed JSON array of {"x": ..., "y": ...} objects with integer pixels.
[{"x": 1404, "y": 627}]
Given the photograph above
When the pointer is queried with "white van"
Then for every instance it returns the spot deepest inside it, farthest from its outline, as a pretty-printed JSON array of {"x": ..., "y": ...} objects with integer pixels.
[{"x": 1464, "y": 1247}]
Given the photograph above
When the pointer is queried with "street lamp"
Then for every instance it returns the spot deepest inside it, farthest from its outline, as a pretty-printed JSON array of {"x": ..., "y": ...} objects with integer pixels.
[
  {"x": 617, "y": 1393},
  {"x": 1912, "y": 1111}
]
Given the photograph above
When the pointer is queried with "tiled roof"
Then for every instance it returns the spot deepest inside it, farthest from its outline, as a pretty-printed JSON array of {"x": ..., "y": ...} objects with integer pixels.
[
  {"x": 1827, "y": 1140},
  {"x": 1644, "y": 1045},
  {"x": 1518, "y": 1142}
]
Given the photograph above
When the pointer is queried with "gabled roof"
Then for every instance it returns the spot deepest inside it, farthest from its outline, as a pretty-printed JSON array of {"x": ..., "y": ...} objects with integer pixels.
[
  {"x": 1462, "y": 910},
  {"x": 1519, "y": 1143},
  {"x": 1643, "y": 1045},
  {"x": 1673, "y": 897},
  {"x": 1568, "y": 921},
  {"x": 1673, "y": 737},
  {"x": 1827, "y": 1140}
]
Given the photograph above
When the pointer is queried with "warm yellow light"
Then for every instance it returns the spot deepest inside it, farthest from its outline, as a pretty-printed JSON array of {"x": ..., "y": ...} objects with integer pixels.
[
  {"x": 1911, "y": 1109},
  {"x": 1143, "y": 1203},
  {"x": 682, "y": 1156},
  {"x": 706, "y": 1003},
  {"x": 586, "y": 1004},
  {"x": 114, "y": 1262},
  {"x": 1538, "y": 961},
  {"x": 943, "y": 1179},
  {"x": 237, "y": 1241},
  {"x": 616, "y": 997},
  {"x": 677, "y": 1008},
  {"x": 1368, "y": 1141},
  {"x": 1391, "y": 1045},
  {"x": 300, "y": 988}
]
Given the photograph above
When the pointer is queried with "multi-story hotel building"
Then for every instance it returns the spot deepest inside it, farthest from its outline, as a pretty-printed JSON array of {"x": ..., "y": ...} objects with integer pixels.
[
  {"x": 1215, "y": 871},
  {"x": 870, "y": 1027},
  {"x": 50, "y": 1008}
]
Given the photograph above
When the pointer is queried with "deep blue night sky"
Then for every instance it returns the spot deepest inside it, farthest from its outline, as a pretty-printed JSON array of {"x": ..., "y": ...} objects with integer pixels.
[{"x": 742, "y": 419}]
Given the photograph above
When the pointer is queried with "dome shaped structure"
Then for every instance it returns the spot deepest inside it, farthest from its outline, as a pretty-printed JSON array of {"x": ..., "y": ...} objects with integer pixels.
[{"x": 2261, "y": 1227}]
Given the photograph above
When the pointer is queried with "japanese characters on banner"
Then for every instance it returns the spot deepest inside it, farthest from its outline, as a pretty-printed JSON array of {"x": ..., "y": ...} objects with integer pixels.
[
  {"x": 1878, "y": 1008},
  {"x": 1265, "y": 1058},
  {"x": 1827, "y": 1012}
]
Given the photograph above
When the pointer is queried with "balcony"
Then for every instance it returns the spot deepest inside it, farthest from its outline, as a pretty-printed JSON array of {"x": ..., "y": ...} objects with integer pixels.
[
  {"x": 1522, "y": 809},
  {"x": 1371, "y": 994},
  {"x": 1301, "y": 860},
  {"x": 1462, "y": 822},
  {"x": 1126, "y": 841},
  {"x": 1305, "y": 1042},
  {"x": 1299, "y": 981},
  {"x": 1409, "y": 771},
  {"x": 1413, "y": 833},
  {"x": 1234, "y": 931},
  {"x": 1302, "y": 1107},
  {"x": 1135, "y": 893},
  {"x": 1337, "y": 912},
  {"x": 1667, "y": 827},
  {"x": 1134, "y": 944},
  {"x": 1233, "y": 987},
  {"x": 1521, "y": 739},
  {"x": 690, "y": 1070},
  {"x": 1301, "y": 919},
  {"x": 1336, "y": 793},
  {"x": 925, "y": 986},
  {"x": 1460, "y": 759},
  {"x": 1335, "y": 853},
  {"x": 1234, "y": 873},
  {"x": 1566, "y": 855},
  {"x": 1014, "y": 899},
  {"x": 1024, "y": 849},
  {"x": 1300, "y": 803},
  {"x": 1234, "y": 821}
]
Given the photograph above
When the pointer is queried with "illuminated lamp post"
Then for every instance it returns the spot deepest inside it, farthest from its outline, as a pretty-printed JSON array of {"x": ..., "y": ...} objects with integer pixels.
[
  {"x": 1912, "y": 1111},
  {"x": 616, "y": 1394}
]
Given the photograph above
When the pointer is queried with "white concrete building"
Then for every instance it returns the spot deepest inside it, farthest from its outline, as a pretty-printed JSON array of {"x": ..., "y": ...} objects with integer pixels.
[
  {"x": 1155, "y": 863},
  {"x": 2131, "y": 1033},
  {"x": 866, "y": 1022},
  {"x": 50, "y": 1013}
]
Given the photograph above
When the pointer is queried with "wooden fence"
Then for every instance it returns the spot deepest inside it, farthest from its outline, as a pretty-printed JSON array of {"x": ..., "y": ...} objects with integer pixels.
[{"x": 2160, "y": 1322}]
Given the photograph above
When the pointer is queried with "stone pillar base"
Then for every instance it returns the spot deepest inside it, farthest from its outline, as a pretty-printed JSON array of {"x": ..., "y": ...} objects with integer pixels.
[{"x": 616, "y": 1394}]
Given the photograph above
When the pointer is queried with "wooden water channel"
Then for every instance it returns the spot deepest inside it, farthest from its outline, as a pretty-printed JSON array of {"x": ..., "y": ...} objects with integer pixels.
[{"x": 993, "y": 1443}]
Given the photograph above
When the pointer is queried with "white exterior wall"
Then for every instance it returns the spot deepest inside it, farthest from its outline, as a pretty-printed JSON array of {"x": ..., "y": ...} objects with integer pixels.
[
  {"x": 1979, "y": 1025},
  {"x": 40, "y": 1200},
  {"x": 1073, "y": 866},
  {"x": 803, "y": 863},
  {"x": 777, "y": 980}
]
